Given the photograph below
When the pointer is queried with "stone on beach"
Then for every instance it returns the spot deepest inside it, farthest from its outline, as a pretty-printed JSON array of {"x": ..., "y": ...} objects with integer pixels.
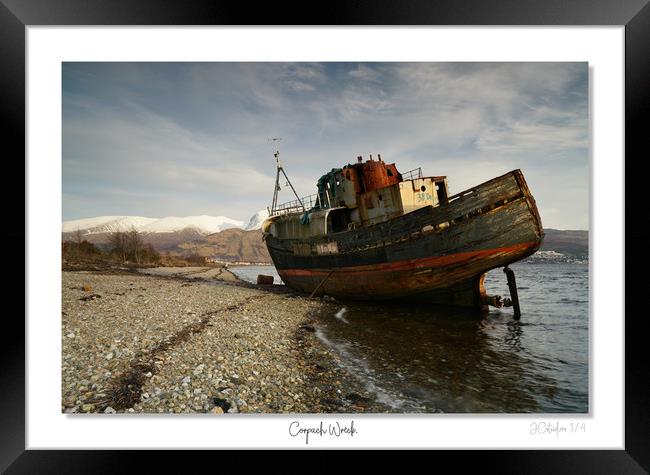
[
  {"x": 264, "y": 279},
  {"x": 210, "y": 347}
]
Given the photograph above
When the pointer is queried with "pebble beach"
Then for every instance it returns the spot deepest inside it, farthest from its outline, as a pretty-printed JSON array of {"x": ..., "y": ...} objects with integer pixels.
[{"x": 197, "y": 340}]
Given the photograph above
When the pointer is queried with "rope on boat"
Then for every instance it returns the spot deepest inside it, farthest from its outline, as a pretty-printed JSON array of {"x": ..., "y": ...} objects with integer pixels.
[{"x": 321, "y": 283}]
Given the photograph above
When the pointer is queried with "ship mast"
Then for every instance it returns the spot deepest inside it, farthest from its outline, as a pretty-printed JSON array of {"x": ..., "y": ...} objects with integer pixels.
[{"x": 280, "y": 169}]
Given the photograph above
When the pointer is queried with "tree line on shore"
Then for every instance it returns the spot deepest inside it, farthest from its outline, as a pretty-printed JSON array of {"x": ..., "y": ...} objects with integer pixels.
[{"x": 124, "y": 247}]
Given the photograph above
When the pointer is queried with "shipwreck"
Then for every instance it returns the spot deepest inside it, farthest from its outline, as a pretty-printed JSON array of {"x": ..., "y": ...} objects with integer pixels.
[{"x": 372, "y": 232}]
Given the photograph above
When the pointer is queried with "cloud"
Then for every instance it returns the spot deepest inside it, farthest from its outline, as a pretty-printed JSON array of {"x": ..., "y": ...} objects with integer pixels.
[
  {"x": 194, "y": 135},
  {"x": 365, "y": 73}
]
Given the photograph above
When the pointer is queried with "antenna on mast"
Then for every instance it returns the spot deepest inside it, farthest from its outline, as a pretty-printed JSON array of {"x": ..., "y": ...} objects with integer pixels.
[
  {"x": 280, "y": 169},
  {"x": 276, "y": 154}
]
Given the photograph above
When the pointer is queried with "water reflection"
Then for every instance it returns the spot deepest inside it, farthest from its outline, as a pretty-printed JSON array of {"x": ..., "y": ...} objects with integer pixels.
[
  {"x": 513, "y": 337},
  {"x": 427, "y": 359}
]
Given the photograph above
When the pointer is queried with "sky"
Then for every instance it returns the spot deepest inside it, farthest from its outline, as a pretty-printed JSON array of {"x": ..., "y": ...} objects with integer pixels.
[{"x": 185, "y": 139}]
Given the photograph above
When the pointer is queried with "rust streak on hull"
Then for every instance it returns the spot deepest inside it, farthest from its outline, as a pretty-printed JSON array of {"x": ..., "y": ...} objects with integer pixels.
[
  {"x": 414, "y": 264},
  {"x": 427, "y": 277}
]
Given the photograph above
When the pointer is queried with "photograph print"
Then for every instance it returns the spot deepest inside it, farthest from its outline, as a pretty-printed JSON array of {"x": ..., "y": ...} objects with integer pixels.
[{"x": 338, "y": 237}]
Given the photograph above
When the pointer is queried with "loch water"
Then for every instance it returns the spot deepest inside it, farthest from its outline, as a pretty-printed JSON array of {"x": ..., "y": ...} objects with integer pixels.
[{"x": 419, "y": 358}]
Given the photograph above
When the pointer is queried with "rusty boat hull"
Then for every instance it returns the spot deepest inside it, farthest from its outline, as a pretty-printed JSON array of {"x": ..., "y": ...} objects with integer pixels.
[{"x": 435, "y": 254}]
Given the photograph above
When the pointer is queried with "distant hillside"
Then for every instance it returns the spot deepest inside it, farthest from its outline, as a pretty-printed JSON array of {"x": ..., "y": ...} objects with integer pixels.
[
  {"x": 570, "y": 243},
  {"x": 195, "y": 234},
  {"x": 163, "y": 233},
  {"x": 230, "y": 245},
  {"x": 160, "y": 241}
]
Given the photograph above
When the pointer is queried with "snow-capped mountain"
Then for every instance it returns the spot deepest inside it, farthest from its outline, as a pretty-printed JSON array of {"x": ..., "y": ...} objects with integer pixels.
[
  {"x": 171, "y": 224},
  {"x": 106, "y": 224},
  {"x": 257, "y": 219},
  {"x": 202, "y": 224},
  {"x": 175, "y": 233}
]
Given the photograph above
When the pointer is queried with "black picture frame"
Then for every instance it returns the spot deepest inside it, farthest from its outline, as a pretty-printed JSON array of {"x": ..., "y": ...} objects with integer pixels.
[{"x": 15, "y": 15}]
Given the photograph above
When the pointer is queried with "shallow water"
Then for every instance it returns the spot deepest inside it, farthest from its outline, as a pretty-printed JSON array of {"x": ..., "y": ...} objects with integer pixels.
[
  {"x": 250, "y": 273},
  {"x": 424, "y": 359}
]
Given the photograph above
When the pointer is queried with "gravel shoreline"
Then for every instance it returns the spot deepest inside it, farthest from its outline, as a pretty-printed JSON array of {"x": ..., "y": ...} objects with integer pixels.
[{"x": 197, "y": 340}]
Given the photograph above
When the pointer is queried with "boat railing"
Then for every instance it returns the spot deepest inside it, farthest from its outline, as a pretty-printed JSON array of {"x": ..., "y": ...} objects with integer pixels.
[
  {"x": 414, "y": 174},
  {"x": 305, "y": 203}
]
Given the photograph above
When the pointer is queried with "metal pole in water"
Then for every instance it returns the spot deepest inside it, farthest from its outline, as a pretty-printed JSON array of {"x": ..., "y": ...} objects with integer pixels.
[{"x": 512, "y": 286}]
